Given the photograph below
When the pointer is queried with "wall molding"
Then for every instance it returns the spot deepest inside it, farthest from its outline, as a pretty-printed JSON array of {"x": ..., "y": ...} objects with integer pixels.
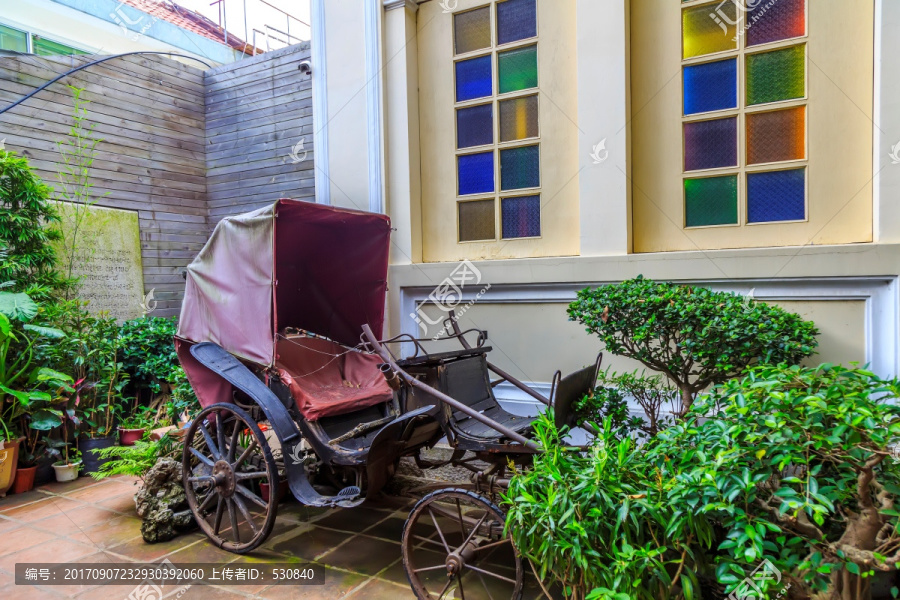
[
  {"x": 410, "y": 5},
  {"x": 374, "y": 106},
  {"x": 318, "y": 50},
  {"x": 881, "y": 295}
]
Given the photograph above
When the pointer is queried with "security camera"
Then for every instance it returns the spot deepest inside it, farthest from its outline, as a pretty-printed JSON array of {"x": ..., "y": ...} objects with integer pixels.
[{"x": 305, "y": 67}]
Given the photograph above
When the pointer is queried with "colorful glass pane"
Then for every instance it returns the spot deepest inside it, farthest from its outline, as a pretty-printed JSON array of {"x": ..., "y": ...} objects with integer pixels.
[
  {"x": 521, "y": 217},
  {"x": 474, "y": 126},
  {"x": 476, "y": 173},
  {"x": 776, "y": 196},
  {"x": 473, "y": 78},
  {"x": 776, "y": 136},
  {"x": 709, "y": 28},
  {"x": 518, "y": 69},
  {"x": 13, "y": 39},
  {"x": 476, "y": 220},
  {"x": 520, "y": 168},
  {"x": 775, "y": 21},
  {"x": 516, "y": 20},
  {"x": 777, "y": 75},
  {"x": 710, "y": 144},
  {"x": 710, "y": 86},
  {"x": 472, "y": 30},
  {"x": 519, "y": 119},
  {"x": 710, "y": 201}
]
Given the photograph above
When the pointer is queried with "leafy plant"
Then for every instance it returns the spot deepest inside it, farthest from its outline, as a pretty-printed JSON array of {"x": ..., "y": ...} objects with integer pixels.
[
  {"x": 601, "y": 521},
  {"x": 134, "y": 460},
  {"x": 609, "y": 400},
  {"x": 148, "y": 351},
  {"x": 141, "y": 419},
  {"x": 796, "y": 466},
  {"x": 694, "y": 336},
  {"x": 28, "y": 228}
]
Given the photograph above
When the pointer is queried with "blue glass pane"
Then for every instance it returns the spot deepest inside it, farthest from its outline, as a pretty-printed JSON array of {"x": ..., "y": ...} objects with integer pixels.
[
  {"x": 776, "y": 196},
  {"x": 476, "y": 173},
  {"x": 516, "y": 20},
  {"x": 711, "y": 86},
  {"x": 474, "y": 126},
  {"x": 473, "y": 78},
  {"x": 521, "y": 217},
  {"x": 520, "y": 168}
]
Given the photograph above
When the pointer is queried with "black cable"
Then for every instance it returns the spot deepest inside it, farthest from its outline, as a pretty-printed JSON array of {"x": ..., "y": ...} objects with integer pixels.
[{"x": 92, "y": 63}]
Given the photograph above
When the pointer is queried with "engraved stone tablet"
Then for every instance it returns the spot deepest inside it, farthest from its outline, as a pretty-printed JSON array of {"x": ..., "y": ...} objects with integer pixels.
[{"x": 106, "y": 258}]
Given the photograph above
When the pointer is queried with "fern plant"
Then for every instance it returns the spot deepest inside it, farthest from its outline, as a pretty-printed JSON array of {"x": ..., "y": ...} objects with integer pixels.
[{"x": 134, "y": 460}]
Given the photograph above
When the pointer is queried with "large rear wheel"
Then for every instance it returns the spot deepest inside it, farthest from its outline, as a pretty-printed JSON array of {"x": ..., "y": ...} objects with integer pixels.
[
  {"x": 226, "y": 465},
  {"x": 454, "y": 547}
]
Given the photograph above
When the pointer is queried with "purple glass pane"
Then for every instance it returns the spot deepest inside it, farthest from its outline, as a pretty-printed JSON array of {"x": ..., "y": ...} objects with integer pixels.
[
  {"x": 775, "y": 21},
  {"x": 521, "y": 217},
  {"x": 474, "y": 126},
  {"x": 710, "y": 144}
]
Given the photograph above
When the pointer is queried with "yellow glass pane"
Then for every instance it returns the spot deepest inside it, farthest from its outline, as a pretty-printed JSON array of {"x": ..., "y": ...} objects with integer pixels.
[
  {"x": 518, "y": 119},
  {"x": 709, "y": 28},
  {"x": 473, "y": 30}
]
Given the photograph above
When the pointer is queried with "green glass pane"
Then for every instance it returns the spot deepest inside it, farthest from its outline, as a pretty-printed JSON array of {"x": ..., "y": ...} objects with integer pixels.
[
  {"x": 777, "y": 75},
  {"x": 13, "y": 39},
  {"x": 44, "y": 47},
  {"x": 520, "y": 168},
  {"x": 710, "y": 201},
  {"x": 518, "y": 69}
]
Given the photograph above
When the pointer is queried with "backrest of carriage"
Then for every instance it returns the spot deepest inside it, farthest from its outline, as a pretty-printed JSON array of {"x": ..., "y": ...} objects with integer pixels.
[{"x": 288, "y": 288}]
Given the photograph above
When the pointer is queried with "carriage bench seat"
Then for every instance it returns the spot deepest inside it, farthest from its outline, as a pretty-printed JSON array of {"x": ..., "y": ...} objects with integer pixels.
[{"x": 327, "y": 379}]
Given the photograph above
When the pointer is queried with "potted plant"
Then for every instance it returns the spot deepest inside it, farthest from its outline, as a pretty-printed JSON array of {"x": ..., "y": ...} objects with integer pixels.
[
  {"x": 133, "y": 428},
  {"x": 67, "y": 468}
]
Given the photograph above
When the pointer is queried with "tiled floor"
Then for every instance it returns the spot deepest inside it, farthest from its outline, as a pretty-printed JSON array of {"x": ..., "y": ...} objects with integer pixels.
[{"x": 356, "y": 552}]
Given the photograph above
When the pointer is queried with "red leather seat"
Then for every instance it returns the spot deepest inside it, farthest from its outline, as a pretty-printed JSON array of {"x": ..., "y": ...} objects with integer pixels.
[{"x": 327, "y": 379}]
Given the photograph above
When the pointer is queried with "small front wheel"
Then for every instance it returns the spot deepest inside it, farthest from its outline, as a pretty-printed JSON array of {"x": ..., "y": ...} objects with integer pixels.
[
  {"x": 454, "y": 547},
  {"x": 226, "y": 465}
]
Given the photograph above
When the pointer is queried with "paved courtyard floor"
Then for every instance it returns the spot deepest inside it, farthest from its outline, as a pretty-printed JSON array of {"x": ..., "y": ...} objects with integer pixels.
[{"x": 355, "y": 552}]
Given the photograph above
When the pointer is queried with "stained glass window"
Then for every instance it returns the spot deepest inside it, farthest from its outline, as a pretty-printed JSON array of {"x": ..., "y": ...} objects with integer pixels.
[
  {"x": 780, "y": 20},
  {"x": 520, "y": 168},
  {"x": 710, "y": 86},
  {"x": 476, "y": 221},
  {"x": 521, "y": 217},
  {"x": 776, "y": 136},
  {"x": 473, "y": 78},
  {"x": 516, "y": 20},
  {"x": 709, "y": 28},
  {"x": 710, "y": 144},
  {"x": 776, "y": 75},
  {"x": 518, "y": 69},
  {"x": 710, "y": 201},
  {"x": 476, "y": 173},
  {"x": 518, "y": 118},
  {"x": 474, "y": 126},
  {"x": 776, "y": 196},
  {"x": 509, "y": 159}
]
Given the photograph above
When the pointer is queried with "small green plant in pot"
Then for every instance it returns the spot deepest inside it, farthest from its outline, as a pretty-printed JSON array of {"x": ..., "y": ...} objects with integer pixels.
[{"x": 133, "y": 428}]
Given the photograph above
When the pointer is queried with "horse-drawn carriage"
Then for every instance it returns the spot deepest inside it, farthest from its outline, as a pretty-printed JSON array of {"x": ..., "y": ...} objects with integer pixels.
[{"x": 280, "y": 338}]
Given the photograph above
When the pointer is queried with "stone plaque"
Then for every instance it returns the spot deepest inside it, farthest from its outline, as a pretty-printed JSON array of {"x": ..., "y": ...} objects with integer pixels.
[{"x": 106, "y": 258}]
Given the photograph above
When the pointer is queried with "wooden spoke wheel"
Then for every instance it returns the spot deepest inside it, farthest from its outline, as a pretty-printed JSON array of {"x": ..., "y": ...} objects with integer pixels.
[
  {"x": 454, "y": 547},
  {"x": 226, "y": 460}
]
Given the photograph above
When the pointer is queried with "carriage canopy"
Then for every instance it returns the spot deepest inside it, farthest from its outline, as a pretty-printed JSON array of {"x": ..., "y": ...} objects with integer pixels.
[{"x": 292, "y": 264}]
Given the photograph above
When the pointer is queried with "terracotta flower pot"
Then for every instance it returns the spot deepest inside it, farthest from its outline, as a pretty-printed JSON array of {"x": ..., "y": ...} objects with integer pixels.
[
  {"x": 24, "y": 479},
  {"x": 127, "y": 437},
  {"x": 282, "y": 490},
  {"x": 66, "y": 472},
  {"x": 9, "y": 456}
]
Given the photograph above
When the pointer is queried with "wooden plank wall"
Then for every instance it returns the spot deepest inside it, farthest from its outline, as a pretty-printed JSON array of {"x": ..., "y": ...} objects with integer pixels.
[
  {"x": 148, "y": 111},
  {"x": 257, "y": 111},
  {"x": 180, "y": 146}
]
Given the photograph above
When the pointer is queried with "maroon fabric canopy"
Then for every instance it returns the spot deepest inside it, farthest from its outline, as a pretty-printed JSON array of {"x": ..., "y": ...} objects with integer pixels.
[{"x": 291, "y": 264}]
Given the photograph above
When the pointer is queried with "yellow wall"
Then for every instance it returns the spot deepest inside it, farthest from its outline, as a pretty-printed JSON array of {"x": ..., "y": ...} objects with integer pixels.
[
  {"x": 559, "y": 137},
  {"x": 840, "y": 89}
]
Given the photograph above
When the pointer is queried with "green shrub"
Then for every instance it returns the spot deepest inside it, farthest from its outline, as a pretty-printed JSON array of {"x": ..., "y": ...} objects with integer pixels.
[
  {"x": 609, "y": 400},
  {"x": 694, "y": 336},
  {"x": 600, "y": 520},
  {"x": 148, "y": 351},
  {"x": 796, "y": 466},
  {"x": 28, "y": 228},
  {"x": 135, "y": 460}
]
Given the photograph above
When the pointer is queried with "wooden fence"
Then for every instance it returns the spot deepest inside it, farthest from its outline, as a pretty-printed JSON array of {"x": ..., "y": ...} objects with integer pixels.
[{"x": 180, "y": 146}]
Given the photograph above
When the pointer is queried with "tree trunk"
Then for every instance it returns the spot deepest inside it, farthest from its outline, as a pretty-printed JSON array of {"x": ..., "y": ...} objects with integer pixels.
[{"x": 687, "y": 399}]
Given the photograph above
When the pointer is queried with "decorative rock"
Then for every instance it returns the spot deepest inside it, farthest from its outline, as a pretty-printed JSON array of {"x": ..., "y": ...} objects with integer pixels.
[{"x": 162, "y": 504}]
